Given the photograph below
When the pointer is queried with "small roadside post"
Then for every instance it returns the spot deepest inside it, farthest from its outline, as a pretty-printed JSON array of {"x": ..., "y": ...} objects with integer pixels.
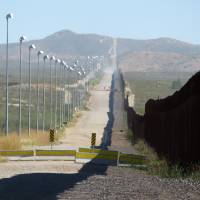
[
  {"x": 118, "y": 157},
  {"x": 51, "y": 136},
  {"x": 93, "y": 140}
]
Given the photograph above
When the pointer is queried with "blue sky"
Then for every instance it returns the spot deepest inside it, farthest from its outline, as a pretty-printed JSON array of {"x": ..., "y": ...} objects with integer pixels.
[{"x": 138, "y": 19}]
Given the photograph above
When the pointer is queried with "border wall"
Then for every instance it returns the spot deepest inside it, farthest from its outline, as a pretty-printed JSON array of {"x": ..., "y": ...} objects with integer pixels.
[{"x": 171, "y": 126}]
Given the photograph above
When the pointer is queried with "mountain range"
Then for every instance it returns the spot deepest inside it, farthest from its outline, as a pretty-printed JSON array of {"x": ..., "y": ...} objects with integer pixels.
[{"x": 162, "y": 54}]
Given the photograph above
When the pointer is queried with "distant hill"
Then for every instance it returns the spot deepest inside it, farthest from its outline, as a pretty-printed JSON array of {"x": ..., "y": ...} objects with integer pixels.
[
  {"x": 161, "y": 45},
  {"x": 66, "y": 43},
  {"x": 159, "y": 61},
  {"x": 162, "y": 54},
  {"x": 76, "y": 44}
]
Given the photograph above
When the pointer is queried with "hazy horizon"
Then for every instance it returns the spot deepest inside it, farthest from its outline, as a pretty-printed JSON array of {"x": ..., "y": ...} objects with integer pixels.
[
  {"x": 120, "y": 37},
  {"x": 128, "y": 19}
]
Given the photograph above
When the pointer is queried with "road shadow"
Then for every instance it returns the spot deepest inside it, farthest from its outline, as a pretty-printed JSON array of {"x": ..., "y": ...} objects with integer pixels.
[
  {"x": 48, "y": 186},
  {"x": 107, "y": 135},
  {"x": 42, "y": 186}
]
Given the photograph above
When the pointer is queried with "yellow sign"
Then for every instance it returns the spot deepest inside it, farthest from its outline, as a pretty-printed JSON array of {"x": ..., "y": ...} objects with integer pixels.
[
  {"x": 51, "y": 135},
  {"x": 93, "y": 139}
]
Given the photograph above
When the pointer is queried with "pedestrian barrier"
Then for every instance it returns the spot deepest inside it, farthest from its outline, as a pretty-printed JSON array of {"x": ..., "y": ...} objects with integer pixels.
[
  {"x": 132, "y": 159},
  {"x": 17, "y": 153},
  {"x": 83, "y": 155},
  {"x": 55, "y": 152},
  {"x": 100, "y": 151},
  {"x": 88, "y": 155}
]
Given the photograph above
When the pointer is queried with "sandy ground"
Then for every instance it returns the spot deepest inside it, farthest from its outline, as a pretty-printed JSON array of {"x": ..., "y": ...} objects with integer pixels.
[
  {"x": 13, "y": 168},
  {"x": 92, "y": 121}
]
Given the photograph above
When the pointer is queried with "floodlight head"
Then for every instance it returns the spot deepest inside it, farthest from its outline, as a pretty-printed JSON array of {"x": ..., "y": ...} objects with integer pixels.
[
  {"x": 22, "y": 38},
  {"x": 79, "y": 73},
  {"x": 67, "y": 66},
  {"x": 32, "y": 46},
  {"x": 57, "y": 60},
  {"x": 40, "y": 52},
  {"x": 62, "y": 62},
  {"x": 9, "y": 16},
  {"x": 71, "y": 68},
  {"x": 46, "y": 57},
  {"x": 52, "y": 58}
]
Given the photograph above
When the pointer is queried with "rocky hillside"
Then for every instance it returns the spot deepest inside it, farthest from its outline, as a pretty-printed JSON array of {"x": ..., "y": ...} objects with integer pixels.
[
  {"x": 162, "y": 54},
  {"x": 159, "y": 61}
]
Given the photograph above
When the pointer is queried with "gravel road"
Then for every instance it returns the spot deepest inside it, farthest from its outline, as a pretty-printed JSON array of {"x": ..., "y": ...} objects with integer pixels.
[{"x": 59, "y": 182}]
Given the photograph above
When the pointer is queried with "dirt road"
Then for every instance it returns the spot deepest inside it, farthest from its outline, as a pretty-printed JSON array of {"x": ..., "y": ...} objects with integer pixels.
[{"x": 92, "y": 121}]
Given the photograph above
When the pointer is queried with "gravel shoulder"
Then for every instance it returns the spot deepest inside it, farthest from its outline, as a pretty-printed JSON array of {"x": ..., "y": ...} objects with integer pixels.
[{"x": 56, "y": 181}]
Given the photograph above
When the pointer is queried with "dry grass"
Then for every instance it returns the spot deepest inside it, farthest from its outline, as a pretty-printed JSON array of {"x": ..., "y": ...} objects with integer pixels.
[
  {"x": 14, "y": 142},
  {"x": 38, "y": 139},
  {"x": 2, "y": 159},
  {"x": 86, "y": 102},
  {"x": 156, "y": 165},
  {"x": 161, "y": 167},
  {"x": 75, "y": 118},
  {"x": 11, "y": 142}
]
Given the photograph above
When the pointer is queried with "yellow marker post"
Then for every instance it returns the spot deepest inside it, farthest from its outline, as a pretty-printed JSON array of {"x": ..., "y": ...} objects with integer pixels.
[
  {"x": 93, "y": 140},
  {"x": 51, "y": 136}
]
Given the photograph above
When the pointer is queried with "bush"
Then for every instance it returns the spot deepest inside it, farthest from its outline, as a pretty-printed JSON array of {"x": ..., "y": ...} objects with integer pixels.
[{"x": 159, "y": 166}]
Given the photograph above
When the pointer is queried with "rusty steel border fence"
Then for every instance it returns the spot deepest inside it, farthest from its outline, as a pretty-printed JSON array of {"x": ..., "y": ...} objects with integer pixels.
[{"x": 171, "y": 126}]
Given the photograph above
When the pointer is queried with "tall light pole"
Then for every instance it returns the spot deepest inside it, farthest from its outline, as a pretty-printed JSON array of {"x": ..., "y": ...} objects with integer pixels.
[
  {"x": 64, "y": 81},
  {"x": 21, "y": 39},
  {"x": 79, "y": 93},
  {"x": 76, "y": 90},
  {"x": 72, "y": 95},
  {"x": 55, "y": 113},
  {"x": 75, "y": 85},
  {"x": 61, "y": 85},
  {"x": 51, "y": 97},
  {"x": 8, "y": 16},
  {"x": 68, "y": 96},
  {"x": 38, "y": 69},
  {"x": 63, "y": 91},
  {"x": 29, "y": 93},
  {"x": 43, "y": 120}
]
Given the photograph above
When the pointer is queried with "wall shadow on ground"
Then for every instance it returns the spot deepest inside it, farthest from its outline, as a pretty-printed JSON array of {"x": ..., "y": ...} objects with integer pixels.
[{"x": 107, "y": 135}]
